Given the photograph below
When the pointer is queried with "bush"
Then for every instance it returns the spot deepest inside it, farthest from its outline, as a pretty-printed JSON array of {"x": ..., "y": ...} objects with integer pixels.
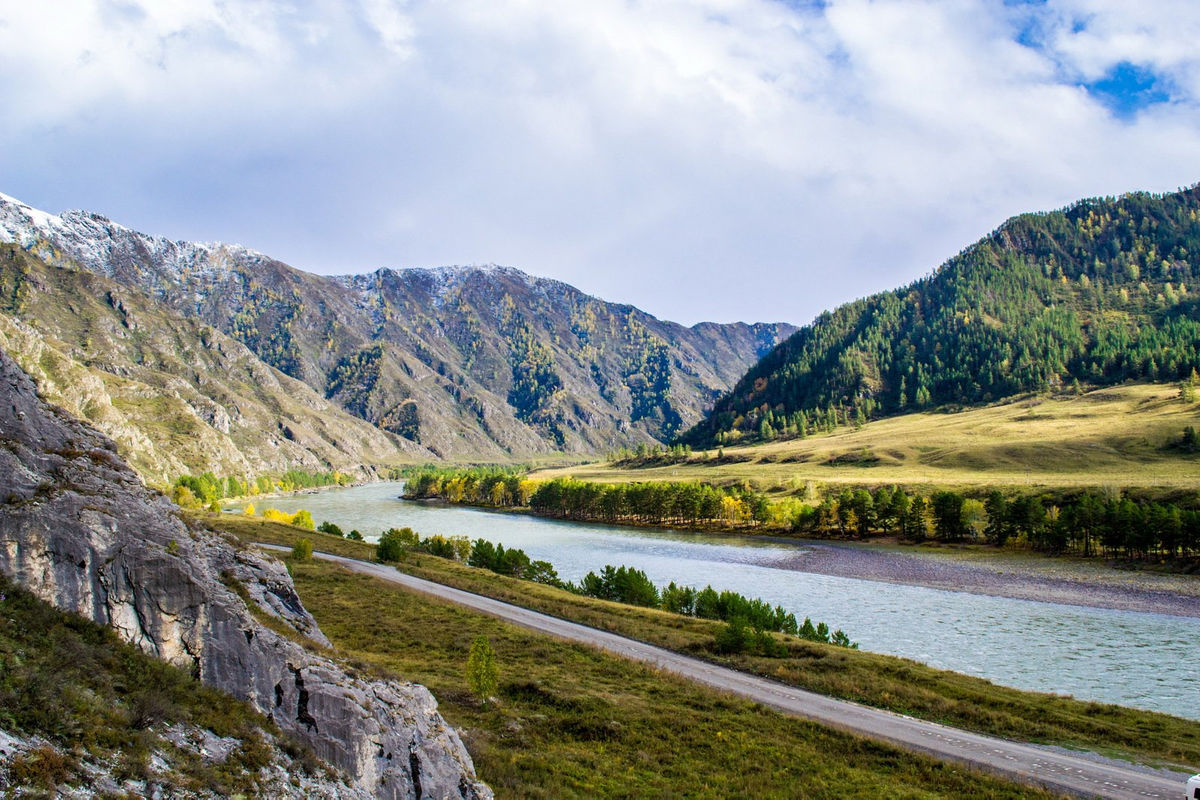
[
  {"x": 354, "y": 536},
  {"x": 302, "y": 550},
  {"x": 391, "y": 546},
  {"x": 330, "y": 528},
  {"x": 303, "y": 519},
  {"x": 734, "y": 637}
]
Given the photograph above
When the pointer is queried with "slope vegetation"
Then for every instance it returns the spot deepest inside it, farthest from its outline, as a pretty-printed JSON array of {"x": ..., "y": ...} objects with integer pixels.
[
  {"x": 1121, "y": 436},
  {"x": 1099, "y": 293},
  {"x": 176, "y": 395}
]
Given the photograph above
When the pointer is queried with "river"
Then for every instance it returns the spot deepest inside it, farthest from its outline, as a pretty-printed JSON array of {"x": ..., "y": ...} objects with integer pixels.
[{"x": 1138, "y": 659}]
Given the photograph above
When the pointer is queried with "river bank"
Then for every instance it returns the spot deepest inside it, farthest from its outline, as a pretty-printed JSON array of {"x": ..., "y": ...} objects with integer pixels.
[
  {"x": 1001, "y": 574},
  {"x": 1094, "y": 583}
]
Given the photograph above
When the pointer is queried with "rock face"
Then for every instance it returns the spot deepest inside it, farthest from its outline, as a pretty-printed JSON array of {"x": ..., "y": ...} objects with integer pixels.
[{"x": 78, "y": 528}]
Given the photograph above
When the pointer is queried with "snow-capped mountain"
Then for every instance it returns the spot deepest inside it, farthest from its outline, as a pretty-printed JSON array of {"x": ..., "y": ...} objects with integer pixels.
[{"x": 473, "y": 362}]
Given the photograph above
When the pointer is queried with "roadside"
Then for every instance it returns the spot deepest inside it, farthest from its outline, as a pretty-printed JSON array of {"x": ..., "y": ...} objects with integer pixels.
[{"x": 1056, "y": 770}]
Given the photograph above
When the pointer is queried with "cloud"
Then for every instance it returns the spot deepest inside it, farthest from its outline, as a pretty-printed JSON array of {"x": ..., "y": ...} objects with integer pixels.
[{"x": 707, "y": 159}]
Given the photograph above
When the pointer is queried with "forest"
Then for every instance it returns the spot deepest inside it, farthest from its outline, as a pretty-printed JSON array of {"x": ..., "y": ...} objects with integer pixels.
[{"x": 1101, "y": 292}]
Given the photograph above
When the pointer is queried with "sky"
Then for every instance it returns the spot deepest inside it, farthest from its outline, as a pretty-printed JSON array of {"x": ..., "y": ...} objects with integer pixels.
[{"x": 755, "y": 160}]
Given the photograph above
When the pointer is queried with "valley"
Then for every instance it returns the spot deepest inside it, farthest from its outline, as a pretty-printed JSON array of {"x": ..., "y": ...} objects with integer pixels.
[{"x": 462, "y": 401}]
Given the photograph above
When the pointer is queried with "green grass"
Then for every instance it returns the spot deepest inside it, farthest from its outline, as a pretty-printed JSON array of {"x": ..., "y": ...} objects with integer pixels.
[
  {"x": 570, "y": 721},
  {"x": 870, "y": 678},
  {"x": 1113, "y": 436}
]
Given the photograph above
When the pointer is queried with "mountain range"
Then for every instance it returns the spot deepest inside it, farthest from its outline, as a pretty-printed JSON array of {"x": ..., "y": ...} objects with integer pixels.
[{"x": 241, "y": 362}]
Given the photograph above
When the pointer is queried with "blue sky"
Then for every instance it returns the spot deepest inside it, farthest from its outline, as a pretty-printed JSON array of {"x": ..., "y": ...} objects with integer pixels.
[{"x": 708, "y": 159}]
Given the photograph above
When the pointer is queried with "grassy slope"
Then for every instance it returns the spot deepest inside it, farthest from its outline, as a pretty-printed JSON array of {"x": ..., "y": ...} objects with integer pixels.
[
  {"x": 877, "y": 680},
  {"x": 1117, "y": 436},
  {"x": 571, "y": 721}
]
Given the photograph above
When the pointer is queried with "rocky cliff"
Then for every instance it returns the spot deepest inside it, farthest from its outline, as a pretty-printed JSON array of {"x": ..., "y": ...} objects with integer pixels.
[
  {"x": 78, "y": 528},
  {"x": 481, "y": 363}
]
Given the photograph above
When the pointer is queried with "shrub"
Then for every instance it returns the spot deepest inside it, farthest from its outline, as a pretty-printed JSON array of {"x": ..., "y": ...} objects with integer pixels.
[
  {"x": 302, "y": 550},
  {"x": 303, "y": 519},
  {"x": 734, "y": 637},
  {"x": 391, "y": 546},
  {"x": 330, "y": 528}
]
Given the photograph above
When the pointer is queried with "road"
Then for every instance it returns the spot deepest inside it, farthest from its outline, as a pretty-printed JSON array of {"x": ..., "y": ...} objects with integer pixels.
[{"x": 1017, "y": 761}]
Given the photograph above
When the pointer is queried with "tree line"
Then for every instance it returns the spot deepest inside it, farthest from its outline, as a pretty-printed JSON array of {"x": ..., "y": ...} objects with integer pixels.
[
  {"x": 620, "y": 584},
  {"x": 1087, "y": 524},
  {"x": 207, "y": 488},
  {"x": 655, "y": 502}
]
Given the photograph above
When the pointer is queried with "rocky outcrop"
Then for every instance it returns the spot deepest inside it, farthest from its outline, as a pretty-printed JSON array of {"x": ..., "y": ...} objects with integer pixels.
[{"x": 78, "y": 528}]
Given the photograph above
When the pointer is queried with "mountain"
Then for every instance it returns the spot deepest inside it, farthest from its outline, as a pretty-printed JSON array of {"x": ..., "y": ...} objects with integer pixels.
[
  {"x": 80, "y": 531},
  {"x": 175, "y": 394},
  {"x": 1098, "y": 293},
  {"x": 467, "y": 362}
]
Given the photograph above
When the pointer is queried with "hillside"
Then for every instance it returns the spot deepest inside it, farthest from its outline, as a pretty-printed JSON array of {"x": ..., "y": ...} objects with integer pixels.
[
  {"x": 480, "y": 363},
  {"x": 1118, "y": 436},
  {"x": 176, "y": 395},
  {"x": 118, "y": 722},
  {"x": 1098, "y": 293},
  {"x": 79, "y": 530}
]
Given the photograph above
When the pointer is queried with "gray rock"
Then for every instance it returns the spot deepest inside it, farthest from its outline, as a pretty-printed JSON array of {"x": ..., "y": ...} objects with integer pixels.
[{"x": 78, "y": 528}]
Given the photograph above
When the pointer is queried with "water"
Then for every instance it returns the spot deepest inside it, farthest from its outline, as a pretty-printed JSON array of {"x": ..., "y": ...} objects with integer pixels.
[{"x": 1136, "y": 659}]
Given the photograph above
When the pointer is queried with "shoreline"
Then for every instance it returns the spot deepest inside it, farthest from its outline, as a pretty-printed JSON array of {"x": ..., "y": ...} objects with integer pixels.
[
  {"x": 1019, "y": 576},
  {"x": 1005, "y": 575}
]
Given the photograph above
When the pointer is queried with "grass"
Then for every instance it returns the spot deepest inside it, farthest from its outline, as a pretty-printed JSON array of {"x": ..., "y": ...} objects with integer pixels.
[
  {"x": 1112, "y": 436},
  {"x": 878, "y": 680},
  {"x": 570, "y": 721},
  {"x": 98, "y": 699}
]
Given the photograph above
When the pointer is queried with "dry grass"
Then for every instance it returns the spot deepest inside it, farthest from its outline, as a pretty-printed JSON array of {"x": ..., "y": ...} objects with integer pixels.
[{"x": 1116, "y": 436}]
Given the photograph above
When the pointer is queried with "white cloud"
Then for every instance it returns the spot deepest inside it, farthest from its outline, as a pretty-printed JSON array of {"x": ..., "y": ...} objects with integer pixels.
[{"x": 706, "y": 159}]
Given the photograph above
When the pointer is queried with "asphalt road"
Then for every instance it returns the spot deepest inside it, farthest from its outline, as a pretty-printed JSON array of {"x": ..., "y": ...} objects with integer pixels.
[{"x": 1024, "y": 763}]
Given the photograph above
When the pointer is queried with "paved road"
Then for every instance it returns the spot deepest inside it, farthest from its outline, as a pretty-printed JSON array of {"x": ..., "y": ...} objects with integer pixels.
[{"x": 1020, "y": 762}]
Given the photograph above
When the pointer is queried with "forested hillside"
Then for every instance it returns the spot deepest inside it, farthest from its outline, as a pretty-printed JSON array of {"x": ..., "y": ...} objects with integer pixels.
[
  {"x": 1098, "y": 293},
  {"x": 480, "y": 363}
]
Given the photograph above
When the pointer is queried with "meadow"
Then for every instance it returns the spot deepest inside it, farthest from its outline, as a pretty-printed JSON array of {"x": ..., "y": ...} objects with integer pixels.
[{"x": 1117, "y": 436}]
